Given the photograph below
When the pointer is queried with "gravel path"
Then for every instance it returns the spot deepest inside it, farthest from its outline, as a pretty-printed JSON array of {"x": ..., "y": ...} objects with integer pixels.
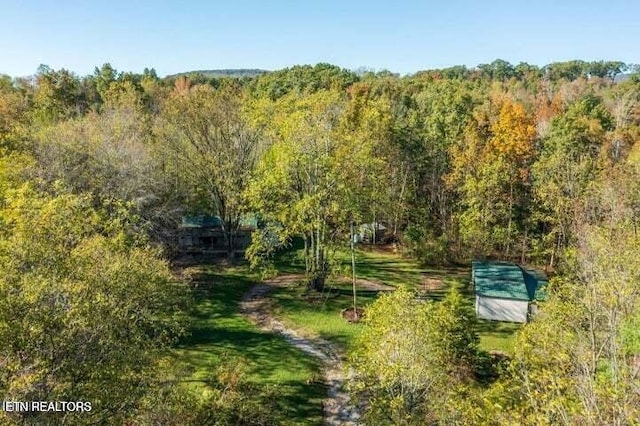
[{"x": 256, "y": 305}]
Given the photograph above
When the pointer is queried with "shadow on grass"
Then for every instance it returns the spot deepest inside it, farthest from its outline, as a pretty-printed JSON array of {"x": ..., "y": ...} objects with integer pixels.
[
  {"x": 302, "y": 402},
  {"x": 497, "y": 335},
  {"x": 324, "y": 318},
  {"x": 320, "y": 315},
  {"x": 219, "y": 333},
  {"x": 489, "y": 367},
  {"x": 431, "y": 283},
  {"x": 366, "y": 294}
]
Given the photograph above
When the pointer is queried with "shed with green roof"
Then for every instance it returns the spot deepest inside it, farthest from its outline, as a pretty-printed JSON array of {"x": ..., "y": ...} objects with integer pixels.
[{"x": 505, "y": 291}]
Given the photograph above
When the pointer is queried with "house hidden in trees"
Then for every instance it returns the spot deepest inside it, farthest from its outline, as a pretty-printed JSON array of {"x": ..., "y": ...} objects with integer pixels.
[
  {"x": 206, "y": 235},
  {"x": 505, "y": 291},
  {"x": 370, "y": 233}
]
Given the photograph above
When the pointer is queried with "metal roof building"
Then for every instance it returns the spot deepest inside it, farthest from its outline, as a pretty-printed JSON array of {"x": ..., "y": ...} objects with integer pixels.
[
  {"x": 505, "y": 291},
  {"x": 202, "y": 234}
]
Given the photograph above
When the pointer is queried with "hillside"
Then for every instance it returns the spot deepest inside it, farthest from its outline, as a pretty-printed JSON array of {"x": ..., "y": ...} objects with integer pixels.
[{"x": 238, "y": 73}]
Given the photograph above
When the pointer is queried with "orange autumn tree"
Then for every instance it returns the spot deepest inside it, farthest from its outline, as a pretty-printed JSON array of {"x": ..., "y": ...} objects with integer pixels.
[
  {"x": 512, "y": 145},
  {"x": 490, "y": 171},
  {"x": 513, "y": 133}
]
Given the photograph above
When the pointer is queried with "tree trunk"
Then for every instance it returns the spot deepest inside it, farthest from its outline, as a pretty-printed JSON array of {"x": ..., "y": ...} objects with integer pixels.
[
  {"x": 230, "y": 229},
  {"x": 306, "y": 255},
  {"x": 510, "y": 223},
  {"x": 317, "y": 261},
  {"x": 400, "y": 202},
  {"x": 375, "y": 229},
  {"x": 317, "y": 282},
  {"x": 556, "y": 246},
  {"x": 230, "y": 244},
  {"x": 318, "y": 273},
  {"x": 353, "y": 274},
  {"x": 524, "y": 247}
]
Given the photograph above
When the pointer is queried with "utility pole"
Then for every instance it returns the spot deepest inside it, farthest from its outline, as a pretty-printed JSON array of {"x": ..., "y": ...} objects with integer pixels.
[{"x": 353, "y": 272}]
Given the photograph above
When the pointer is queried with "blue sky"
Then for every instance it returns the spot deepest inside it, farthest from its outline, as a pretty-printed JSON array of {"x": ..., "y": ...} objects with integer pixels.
[{"x": 401, "y": 36}]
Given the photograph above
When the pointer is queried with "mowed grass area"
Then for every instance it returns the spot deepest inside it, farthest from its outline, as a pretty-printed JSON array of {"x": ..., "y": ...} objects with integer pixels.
[
  {"x": 319, "y": 314},
  {"x": 219, "y": 333}
]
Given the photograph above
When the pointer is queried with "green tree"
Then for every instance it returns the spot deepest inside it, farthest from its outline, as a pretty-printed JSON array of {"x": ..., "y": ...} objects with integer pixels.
[
  {"x": 215, "y": 150},
  {"x": 103, "y": 77},
  {"x": 576, "y": 363},
  {"x": 498, "y": 70},
  {"x": 606, "y": 69},
  {"x": 302, "y": 79},
  {"x": 112, "y": 155},
  {"x": 568, "y": 162},
  {"x": 427, "y": 125},
  {"x": 412, "y": 357},
  {"x": 569, "y": 70},
  {"x": 13, "y": 123},
  {"x": 57, "y": 95},
  {"x": 297, "y": 183},
  {"x": 85, "y": 307},
  {"x": 490, "y": 172}
]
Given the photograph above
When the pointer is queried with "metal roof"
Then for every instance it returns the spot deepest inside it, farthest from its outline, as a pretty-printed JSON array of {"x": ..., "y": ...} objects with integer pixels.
[
  {"x": 507, "y": 280},
  {"x": 204, "y": 221},
  {"x": 249, "y": 221},
  {"x": 201, "y": 221}
]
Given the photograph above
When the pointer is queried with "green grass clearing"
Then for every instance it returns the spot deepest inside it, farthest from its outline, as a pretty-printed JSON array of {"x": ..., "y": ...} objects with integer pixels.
[
  {"x": 218, "y": 332},
  {"x": 321, "y": 315}
]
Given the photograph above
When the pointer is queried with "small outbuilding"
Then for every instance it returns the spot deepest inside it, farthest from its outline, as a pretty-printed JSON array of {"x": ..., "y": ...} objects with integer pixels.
[
  {"x": 505, "y": 291},
  {"x": 370, "y": 233}
]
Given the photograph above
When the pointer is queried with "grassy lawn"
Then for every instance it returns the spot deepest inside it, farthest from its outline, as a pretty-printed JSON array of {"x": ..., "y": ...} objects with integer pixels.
[
  {"x": 498, "y": 336},
  {"x": 320, "y": 315},
  {"x": 218, "y": 332}
]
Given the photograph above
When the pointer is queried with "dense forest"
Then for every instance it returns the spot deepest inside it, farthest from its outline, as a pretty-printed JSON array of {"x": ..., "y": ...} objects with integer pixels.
[{"x": 537, "y": 165}]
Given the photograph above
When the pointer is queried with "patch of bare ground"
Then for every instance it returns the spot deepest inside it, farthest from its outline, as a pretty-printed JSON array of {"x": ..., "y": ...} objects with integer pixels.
[
  {"x": 352, "y": 315},
  {"x": 391, "y": 248},
  {"x": 364, "y": 284},
  {"x": 257, "y": 307},
  {"x": 430, "y": 284}
]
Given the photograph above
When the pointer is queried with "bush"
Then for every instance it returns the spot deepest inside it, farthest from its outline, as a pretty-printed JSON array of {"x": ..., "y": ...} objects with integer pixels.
[
  {"x": 427, "y": 248},
  {"x": 229, "y": 399},
  {"x": 85, "y": 309},
  {"x": 412, "y": 356}
]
